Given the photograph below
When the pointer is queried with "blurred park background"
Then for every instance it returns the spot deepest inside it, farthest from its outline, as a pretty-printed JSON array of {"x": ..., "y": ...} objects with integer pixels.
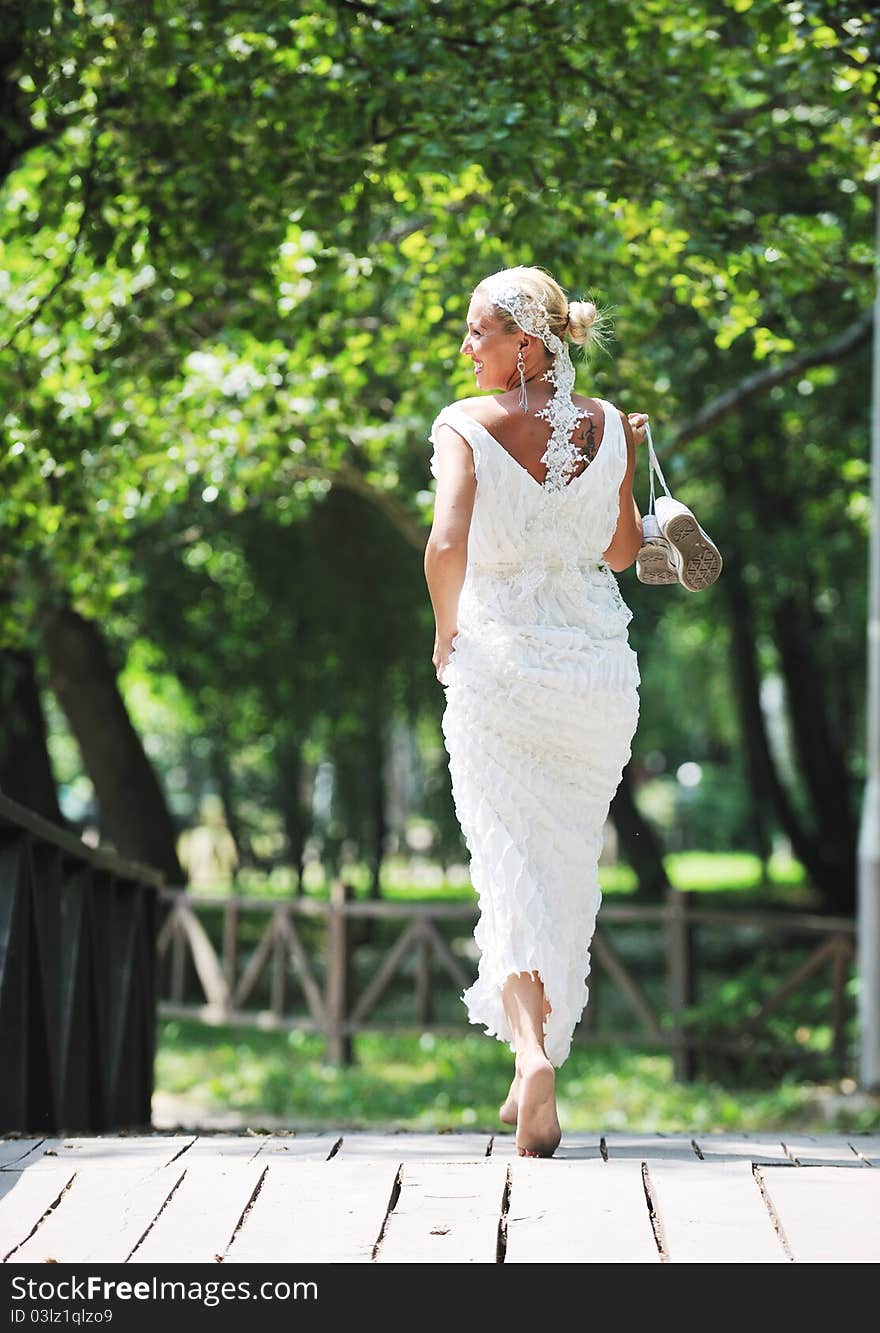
[{"x": 237, "y": 244}]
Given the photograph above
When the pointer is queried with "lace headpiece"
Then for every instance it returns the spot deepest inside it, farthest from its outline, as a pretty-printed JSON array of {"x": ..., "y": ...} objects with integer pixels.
[{"x": 530, "y": 314}]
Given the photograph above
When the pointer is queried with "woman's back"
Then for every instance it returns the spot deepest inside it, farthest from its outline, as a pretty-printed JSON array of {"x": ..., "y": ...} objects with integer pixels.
[
  {"x": 517, "y": 521},
  {"x": 525, "y": 436}
]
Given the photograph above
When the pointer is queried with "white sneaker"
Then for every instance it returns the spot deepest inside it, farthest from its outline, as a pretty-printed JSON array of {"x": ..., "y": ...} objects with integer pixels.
[
  {"x": 695, "y": 557},
  {"x": 654, "y": 562}
]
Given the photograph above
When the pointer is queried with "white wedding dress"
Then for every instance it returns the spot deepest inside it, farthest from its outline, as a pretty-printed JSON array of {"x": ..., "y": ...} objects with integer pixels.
[{"x": 541, "y": 706}]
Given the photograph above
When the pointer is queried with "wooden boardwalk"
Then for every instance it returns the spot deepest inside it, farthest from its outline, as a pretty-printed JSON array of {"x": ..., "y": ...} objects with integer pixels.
[{"x": 355, "y": 1197}]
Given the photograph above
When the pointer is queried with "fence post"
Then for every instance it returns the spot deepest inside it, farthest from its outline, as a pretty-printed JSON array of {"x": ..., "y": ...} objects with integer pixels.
[
  {"x": 679, "y": 979},
  {"x": 230, "y": 949},
  {"x": 340, "y": 1049},
  {"x": 425, "y": 999},
  {"x": 178, "y": 960},
  {"x": 279, "y": 965},
  {"x": 839, "y": 971}
]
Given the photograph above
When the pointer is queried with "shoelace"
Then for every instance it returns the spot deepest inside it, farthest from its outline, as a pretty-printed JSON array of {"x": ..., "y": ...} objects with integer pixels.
[{"x": 654, "y": 466}]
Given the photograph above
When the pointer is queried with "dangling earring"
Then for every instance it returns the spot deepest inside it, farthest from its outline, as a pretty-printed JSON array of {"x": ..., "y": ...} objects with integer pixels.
[{"x": 521, "y": 367}]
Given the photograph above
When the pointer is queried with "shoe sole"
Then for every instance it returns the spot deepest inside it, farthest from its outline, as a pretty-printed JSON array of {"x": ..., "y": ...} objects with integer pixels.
[
  {"x": 699, "y": 560},
  {"x": 652, "y": 565}
]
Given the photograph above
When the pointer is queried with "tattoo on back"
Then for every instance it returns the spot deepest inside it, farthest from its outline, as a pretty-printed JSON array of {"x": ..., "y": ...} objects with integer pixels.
[{"x": 585, "y": 439}]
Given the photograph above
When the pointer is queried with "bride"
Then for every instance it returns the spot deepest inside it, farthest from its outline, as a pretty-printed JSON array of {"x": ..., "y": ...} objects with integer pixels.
[{"x": 534, "y": 513}]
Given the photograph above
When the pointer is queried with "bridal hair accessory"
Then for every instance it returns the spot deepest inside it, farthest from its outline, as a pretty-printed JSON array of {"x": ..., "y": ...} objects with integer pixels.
[{"x": 531, "y": 315}]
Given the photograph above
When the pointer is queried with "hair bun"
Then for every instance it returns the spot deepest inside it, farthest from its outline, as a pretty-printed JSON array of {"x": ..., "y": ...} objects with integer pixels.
[{"x": 582, "y": 316}]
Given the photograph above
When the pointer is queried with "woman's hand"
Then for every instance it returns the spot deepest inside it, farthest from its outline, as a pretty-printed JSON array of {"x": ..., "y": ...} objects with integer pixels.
[
  {"x": 443, "y": 650},
  {"x": 638, "y": 421}
]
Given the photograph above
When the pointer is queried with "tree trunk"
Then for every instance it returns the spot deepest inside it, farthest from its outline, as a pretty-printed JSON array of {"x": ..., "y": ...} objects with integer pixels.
[
  {"x": 377, "y": 816},
  {"x": 827, "y": 871},
  {"x": 293, "y": 813},
  {"x": 25, "y": 766},
  {"x": 819, "y": 753},
  {"x": 639, "y": 841},
  {"x": 767, "y": 787},
  {"x": 133, "y": 808},
  {"x": 223, "y": 777},
  {"x": 828, "y": 853}
]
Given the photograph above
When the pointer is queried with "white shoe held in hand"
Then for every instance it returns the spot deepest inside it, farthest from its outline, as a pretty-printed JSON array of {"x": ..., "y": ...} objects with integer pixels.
[
  {"x": 696, "y": 558},
  {"x": 655, "y": 562}
]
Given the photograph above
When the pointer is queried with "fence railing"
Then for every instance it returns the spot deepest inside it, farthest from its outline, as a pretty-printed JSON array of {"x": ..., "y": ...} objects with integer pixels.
[
  {"x": 252, "y": 985},
  {"x": 77, "y": 981}
]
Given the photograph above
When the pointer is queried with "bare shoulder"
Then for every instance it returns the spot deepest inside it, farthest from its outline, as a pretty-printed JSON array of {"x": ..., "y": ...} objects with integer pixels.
[
  {"x": 482, "y": 407},
  {"x": 595, "y": 422}
]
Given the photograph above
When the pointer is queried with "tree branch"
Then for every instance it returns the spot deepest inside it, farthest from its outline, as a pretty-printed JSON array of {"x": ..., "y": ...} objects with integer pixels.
[
  {"x": 343, "y": 475},
  {"x": 67, "y": 267},
  {"x": 762, "y": 381},
  {"x": 350, "y": 478}
]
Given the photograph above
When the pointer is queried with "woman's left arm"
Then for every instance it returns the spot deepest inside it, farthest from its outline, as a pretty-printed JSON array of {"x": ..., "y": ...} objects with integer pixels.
[
  {"x": 447, "y": 546},
  {"x": 628, "y": 535}
]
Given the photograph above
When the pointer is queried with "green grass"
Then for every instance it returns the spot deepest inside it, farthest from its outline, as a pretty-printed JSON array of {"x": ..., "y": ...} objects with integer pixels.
[
  {"x": 433, "y": 1083},
  {"x": 703, "y": 872}
]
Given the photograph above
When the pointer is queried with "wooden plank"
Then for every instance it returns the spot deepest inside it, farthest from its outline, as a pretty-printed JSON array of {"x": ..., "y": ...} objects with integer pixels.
[
  {"x": 24, "y": 1197},
  {"x": 713, "y": 1213},
  {"x": 102, "y": 1216},
  {"x": 111, "y": 1152},
  {"x": 12, "y": 1151},
  {"x": 413, "y": 1147},
  {"x": 754, "y": 1148},
  {"x": 828, "y": 1215},
  {"x": 574, "y": 1147},
  {"x": 651, "y": 1147},
  {"x": 299, "y": 957},
  {"x": 208, "y": 968},
  {"x": 447, "y": 1213},
  {"x": 312, "y": 1147},
  {"x": 245, "y": 1147},
  {"x": 867, "y": 1146},
  {"x": 372, "y": 993},
  {"x": 818, "y": 958},
  {"x": 129, "y": 871},
  {"x": 821, "y": 1150},
  {"x": 203, "y": 1213},
  {"x": 614, "y": 967},
  {"x": 579, "y": 1147},
  {"x": 315, "y": 1212},
  {"x": 680, "y": 985},
  {"x": 223, "y": 1148},
  {"x": 504, "y": 1145},
  {"x": 578, "y": 1212}
]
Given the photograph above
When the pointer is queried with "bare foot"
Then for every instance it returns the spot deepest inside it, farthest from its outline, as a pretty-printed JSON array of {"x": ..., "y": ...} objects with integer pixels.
[
  {"x": 510, "y": 1106},
  {"x": 509, "y": 1109},
  {"x": 538, "y": 1131}
]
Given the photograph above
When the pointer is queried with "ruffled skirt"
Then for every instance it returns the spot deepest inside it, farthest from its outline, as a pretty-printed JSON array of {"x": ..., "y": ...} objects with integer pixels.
[{"x": 539, "y": 718}]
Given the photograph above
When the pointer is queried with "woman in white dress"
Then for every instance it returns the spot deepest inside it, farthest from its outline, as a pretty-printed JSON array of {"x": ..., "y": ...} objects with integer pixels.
[{"x": 534, "y": 510}]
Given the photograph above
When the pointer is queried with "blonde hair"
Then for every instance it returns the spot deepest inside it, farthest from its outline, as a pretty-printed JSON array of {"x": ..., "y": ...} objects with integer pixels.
[{"x": 579, "y": 321}]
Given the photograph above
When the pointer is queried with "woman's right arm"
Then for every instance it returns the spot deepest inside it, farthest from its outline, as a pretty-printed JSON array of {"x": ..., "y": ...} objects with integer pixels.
[{"x": 446, "y": 550}]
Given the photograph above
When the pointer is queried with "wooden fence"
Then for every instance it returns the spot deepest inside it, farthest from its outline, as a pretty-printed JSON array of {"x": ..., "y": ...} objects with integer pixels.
[
  {"x": 77, "y": 981},
  {"x": 228, "y": 983}
]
